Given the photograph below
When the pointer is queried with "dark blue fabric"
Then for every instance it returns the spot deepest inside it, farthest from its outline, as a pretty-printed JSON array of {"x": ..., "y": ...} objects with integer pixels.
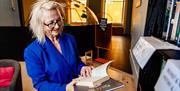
[{"x": 49, "y": 69}]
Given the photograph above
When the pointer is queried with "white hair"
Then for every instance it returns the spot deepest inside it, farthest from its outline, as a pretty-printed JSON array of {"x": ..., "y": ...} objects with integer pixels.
[{"x": 36, "y": 20}]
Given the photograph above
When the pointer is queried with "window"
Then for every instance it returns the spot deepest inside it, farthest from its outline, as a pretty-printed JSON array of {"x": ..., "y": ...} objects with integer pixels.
[{"x": 114, "y": 11}]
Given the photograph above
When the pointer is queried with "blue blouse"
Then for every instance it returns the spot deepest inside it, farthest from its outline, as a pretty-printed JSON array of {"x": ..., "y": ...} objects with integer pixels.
[{"x": 49, "y": 69}]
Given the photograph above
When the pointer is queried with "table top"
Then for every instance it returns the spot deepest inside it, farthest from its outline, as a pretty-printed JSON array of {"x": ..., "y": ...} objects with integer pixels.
[{"x": 125, "y": 78}]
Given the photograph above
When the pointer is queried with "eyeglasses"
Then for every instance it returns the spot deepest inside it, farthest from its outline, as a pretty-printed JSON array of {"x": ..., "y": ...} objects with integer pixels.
[{"x": 52, "y": 24}]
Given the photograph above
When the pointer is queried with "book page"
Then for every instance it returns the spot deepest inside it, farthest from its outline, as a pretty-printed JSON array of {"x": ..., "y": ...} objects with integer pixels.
[
  {"x": 89, "y": 79},
  {"x": 100, "y": 70},
  {"x": 99, "y": 75}
]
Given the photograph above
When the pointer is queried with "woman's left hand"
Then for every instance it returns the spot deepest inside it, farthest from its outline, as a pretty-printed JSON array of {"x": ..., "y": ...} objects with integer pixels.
[{"x": 86, "y": 71}]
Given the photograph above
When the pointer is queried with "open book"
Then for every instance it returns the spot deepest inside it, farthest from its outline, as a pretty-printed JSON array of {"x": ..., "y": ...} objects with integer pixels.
[
  {"x": 109, "y": 85},
  {"x": 98, "y": 76}
]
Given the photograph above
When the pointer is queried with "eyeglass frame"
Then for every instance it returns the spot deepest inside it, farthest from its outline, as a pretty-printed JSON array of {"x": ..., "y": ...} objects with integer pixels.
[{"x": 53, "y": 23}]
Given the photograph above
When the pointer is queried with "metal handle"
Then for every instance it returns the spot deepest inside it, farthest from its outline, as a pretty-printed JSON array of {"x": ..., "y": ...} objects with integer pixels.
[{"x": 13, "y": 5}]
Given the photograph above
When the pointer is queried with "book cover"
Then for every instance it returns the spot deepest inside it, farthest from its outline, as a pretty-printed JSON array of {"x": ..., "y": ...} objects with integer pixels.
[
  {"x": 167, "y": 26},
  {"x": 177, "y": 38},
  {"x": 98, "y": 76},
  {"x": 176, "y": 22},
  {"x": 109, "y": 85},
  {"x": 178, "y": 28}
]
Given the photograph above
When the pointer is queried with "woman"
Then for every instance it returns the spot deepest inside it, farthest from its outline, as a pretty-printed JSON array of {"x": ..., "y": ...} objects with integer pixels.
[{"x": 52, "y": 59}]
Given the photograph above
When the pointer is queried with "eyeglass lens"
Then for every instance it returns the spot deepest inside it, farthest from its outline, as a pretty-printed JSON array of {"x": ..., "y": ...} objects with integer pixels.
[{"x": 52, "y": 24}]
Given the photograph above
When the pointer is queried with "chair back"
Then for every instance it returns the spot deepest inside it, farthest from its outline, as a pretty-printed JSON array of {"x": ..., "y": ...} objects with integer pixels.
[{"x": 16, "y": 82}]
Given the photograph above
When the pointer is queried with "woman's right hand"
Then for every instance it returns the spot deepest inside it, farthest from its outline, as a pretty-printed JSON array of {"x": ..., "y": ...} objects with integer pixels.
[
  {"x": 86, "y": 71},
  {"x": 70, "y": 86}
]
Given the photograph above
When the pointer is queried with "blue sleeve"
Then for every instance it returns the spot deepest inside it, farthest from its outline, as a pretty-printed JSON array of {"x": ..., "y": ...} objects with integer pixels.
[
  {"x": 79, "y": 62},
  {"x": 36, "y": 71},
  {"x": 80, "y": 65}
]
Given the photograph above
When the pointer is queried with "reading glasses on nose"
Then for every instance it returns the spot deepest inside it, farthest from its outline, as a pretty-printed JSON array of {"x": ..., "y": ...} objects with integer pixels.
[{"x": 52, "y": 24}]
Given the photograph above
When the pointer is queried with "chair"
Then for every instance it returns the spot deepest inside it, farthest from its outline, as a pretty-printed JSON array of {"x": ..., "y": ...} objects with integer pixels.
[
  {"x": 16, "y": 82},
  {"x": 88, "y": 57}
]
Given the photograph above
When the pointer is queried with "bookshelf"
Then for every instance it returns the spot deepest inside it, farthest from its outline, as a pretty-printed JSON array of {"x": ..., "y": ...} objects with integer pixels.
[{"x": 162, "y": 20}]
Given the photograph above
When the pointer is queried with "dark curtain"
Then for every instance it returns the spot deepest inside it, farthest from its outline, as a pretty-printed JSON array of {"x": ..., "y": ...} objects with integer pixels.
[{"x": 155, "y": 18}]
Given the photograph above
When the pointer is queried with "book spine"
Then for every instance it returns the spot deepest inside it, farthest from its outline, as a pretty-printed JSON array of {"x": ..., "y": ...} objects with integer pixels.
[
  {"x": 178, "y": 31},
  {"x": 178, "y": 41},
  {"x": 175, "y": 23},
  {"x": 166, "y": 19},
  {"x": 172, "y": 3}
]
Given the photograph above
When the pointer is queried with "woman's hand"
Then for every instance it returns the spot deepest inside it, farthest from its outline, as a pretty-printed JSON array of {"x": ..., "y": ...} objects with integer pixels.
[
  {"x": 70, "y": 86},
  {"x": 86, "y": 71}
]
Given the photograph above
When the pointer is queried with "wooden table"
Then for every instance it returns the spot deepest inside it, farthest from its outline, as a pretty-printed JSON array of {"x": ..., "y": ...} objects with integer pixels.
[{"x": 123, "y": 77}]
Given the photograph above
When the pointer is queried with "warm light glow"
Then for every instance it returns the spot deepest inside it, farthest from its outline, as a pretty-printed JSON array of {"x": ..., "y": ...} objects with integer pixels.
[
  {"x": 114, "y": 11},
  {"x": 77, "y": 11}
]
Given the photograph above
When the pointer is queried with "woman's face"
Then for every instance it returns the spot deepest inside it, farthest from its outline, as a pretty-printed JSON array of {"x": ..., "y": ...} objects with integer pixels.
[{"x": 53, "y": 23}]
